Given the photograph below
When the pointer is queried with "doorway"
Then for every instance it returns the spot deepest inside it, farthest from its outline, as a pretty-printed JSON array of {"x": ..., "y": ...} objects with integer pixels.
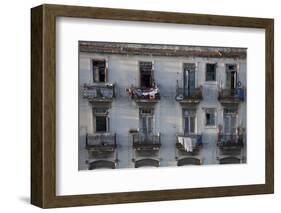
[
  {"x": 230, "y": 121},
  {"x": 231, "y": 78},
  {"x": 188, "y": 78},
  {"x": 146, "y": 74}
]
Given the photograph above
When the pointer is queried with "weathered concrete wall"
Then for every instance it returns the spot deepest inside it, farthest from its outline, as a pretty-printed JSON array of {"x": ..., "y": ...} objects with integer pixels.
[{"x": 124, "y": 113}]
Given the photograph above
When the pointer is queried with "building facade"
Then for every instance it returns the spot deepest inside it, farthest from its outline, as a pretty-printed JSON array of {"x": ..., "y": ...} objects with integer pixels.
[{"x": 161, "y": 105}]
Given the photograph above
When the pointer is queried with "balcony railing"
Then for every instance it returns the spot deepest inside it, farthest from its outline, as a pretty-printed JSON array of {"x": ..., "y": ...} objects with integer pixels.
[
  {"x": 149, "y": 142},
  {"x": 99, "y": 92},
  {"x": 189, "y": 143},
  {"x": 189, "y": 96},
  {"x": 101, "y": 142},
  {"x": 232, "y": 95},
  {"x": 230, "y": 141},
  {"x": 144, "y": 94}
]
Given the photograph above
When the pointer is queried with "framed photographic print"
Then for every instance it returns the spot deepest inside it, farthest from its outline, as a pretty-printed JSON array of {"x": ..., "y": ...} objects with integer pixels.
[{"x": 136, "y": 106}]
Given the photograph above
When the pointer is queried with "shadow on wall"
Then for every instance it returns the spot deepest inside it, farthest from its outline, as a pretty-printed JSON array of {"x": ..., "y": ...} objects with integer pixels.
[{"x": 24, "y": 199}]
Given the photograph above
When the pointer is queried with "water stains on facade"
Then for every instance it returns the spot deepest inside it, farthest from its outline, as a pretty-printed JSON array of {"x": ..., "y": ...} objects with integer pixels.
[{"x": 160, "y": 105}]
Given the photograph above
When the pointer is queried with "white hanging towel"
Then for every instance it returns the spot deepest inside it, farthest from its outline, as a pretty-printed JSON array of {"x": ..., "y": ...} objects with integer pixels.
[
  {"x": 180, "y": 140},
  {"x": 188, "y": 144}
]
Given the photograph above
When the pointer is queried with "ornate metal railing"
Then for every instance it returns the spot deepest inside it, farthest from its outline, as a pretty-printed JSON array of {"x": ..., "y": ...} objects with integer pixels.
[
  {"x": 101, "y": 142},
  {"x": 237, "y": 94},
  {"x": 99, "y": 91},
  {"x": 189, "y": 95},
  {"x": 146, "y": 142},
  {"x": 234, "y": 140}
]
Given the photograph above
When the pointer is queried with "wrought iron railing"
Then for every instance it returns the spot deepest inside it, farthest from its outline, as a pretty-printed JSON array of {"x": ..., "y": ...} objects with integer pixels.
[
  {"x": 230, "y": 141},
  {"x": 146, "y": 141},
  {"x": 99, "y": 91},
  {"x": 101, "y": 142},
  {"x": 237, "y": 94},
  {"x": 188, "y": 94}
]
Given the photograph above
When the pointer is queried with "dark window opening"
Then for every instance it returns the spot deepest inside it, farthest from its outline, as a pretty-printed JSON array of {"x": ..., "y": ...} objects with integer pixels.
[
  {"x": 231, "y": 67},
  {"x": 100, "y": 110},
  {"x": 99, "y": 70},
  {"x": 146, "y": 74},
  {"x": 101, "y": 123},
  {"x": 233, "y": 81},
  {"x": 231, "y": 77},
  {"x": 210, "y": 72},
  {"x": 146, "y": 111},
  {"x": 230, "y": 110},
  {"x": 210, "y": 117}
]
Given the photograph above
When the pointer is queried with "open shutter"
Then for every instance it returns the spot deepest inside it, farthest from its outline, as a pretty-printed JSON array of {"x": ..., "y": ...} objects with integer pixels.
[
  {"x": 149, "y": 125},
  {"x": 228, "y": 80},
  {"x": 106, "y": 71},
  {"x": 191, "y": 80},
  {"x": 192, "y": 124},
  {"x": 226, "y": 124},
  {"x": 233, "y": 124}
]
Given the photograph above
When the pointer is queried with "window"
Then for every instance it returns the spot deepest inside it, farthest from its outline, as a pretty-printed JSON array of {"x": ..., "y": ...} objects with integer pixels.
[
  {"x": 101, "y": 119},
  {"x": 101, "y": 122},
  {"x": 231, "y": 76},
  {"x": 231, "y": 67},
  {"x": 230, "y": 120},
  {"x": 188, "y": 78},
  {"x": 230, "y": 110},
  {"x": 146, "y": 120},
  {"x": 99, "y": 70},
  {"x": 146, "y": 111},
  {"x": 210, "y": 72},
  {"x": 210, "y": 119},
  {"x": 146, "y": 74},
  {"x": 189, "y": 118}
]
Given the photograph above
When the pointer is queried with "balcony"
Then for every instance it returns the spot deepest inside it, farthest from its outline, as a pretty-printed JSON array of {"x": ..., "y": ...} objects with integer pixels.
[
  {"x": 187, "y": 149},
  {"x": 230, "y": 144},
  {"x": 102, "y": 151},
  {"x": 230, "y": 140},
  {"x": 189, "y": 143},
  {"x": 146, "y": 150},
  {"x": 146, "y": 142},
  {"x": 144, "y": 95},
  {"x": 101, "y": 142},
  {"x": 192, "y": 96},
  {"x": 99, "y": 92},
  {"x": 232, "y": 95}
]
